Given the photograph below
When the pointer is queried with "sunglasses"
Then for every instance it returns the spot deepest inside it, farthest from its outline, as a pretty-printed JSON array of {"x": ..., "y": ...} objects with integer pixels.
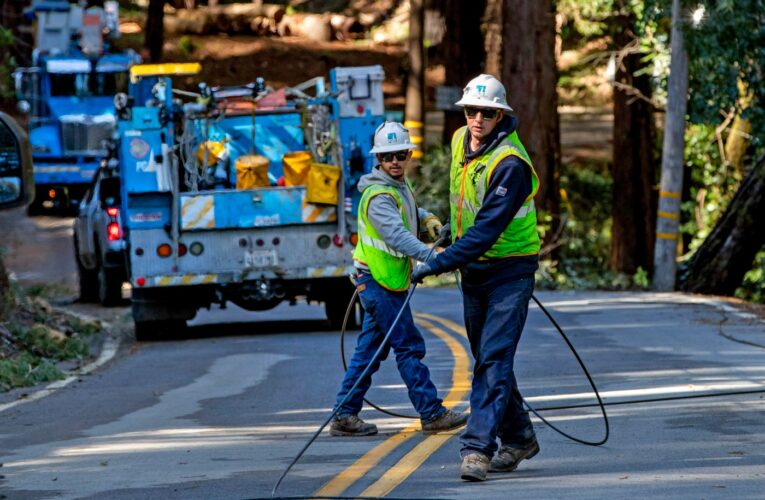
[
  {"x": 399, "y": 155},
  {"x": 488, "y": 114}
]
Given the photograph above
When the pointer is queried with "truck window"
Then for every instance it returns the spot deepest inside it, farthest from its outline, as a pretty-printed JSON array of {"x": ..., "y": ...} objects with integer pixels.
[{"x": 88, "y": 84}]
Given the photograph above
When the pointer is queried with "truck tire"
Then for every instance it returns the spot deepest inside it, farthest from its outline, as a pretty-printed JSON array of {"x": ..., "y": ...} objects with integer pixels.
[
  {"x": 159, "y": 330},
  {"x": 336, "y": 307},
  {"x": 109, "y": 286},
  {"x": 88, "y": 279}
]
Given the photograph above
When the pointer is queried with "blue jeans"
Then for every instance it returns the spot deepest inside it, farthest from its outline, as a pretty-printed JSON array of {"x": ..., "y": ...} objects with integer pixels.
[
  {"x": 495, "y": 313},
  {"x": 381, "y": 307}
]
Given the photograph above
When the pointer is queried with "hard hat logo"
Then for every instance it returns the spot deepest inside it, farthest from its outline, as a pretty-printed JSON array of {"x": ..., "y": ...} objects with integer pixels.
[
  {"x": 390, "y": 137},
  {"x": 484, "y": 91}
]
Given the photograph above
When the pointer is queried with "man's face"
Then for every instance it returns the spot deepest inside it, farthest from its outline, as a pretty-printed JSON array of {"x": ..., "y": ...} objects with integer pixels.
[
  {"x": 395, "y": 163},
  {"x": 481, "y": 121}
]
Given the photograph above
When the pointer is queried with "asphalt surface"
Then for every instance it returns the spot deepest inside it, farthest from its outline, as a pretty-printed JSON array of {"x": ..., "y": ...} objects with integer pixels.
[{"x": 222, "y": 413}]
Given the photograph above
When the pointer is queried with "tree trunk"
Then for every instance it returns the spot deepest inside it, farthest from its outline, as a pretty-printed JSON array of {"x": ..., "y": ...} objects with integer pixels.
[
  {"x": 739, "y": 136},
  {"x": 719, "y": 265},
  {"x": 155, "y": 37},
  {"x": 492, "y": 28},
  {"x": 415, "y": 78},
  {"x": 633, "y": 228},
  {"x": 530, "y": 76},
  {"x": 672, "y": 159},
  {"x": 463, "y": 52}
]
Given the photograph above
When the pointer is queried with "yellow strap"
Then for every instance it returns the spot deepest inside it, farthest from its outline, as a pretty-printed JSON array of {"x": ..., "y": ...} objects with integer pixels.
[
  {"x": 666, "y": 236},
  {"x": 413, "y": 124},
  {"x": 668, "y": 215},
  {"x": 669, "y": 194}
]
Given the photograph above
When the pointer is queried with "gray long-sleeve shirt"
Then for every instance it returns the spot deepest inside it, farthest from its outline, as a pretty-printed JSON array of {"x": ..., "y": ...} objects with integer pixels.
[{"x": 383, "y": 213}]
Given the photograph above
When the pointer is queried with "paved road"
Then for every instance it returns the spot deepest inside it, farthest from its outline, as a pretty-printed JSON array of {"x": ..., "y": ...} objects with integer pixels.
[{"x": 221, "y": 414}]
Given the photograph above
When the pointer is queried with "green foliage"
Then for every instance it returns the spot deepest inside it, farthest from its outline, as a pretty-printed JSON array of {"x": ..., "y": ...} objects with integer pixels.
[
  {"x": 7, "y": 64},
  {"x": 186, "y": 46},
  {"x": 39, "y": 338},
  {"x": 25, "y": 370},
  {"x": 431, "y": 186},
  {"x": 753, "y": 287}
]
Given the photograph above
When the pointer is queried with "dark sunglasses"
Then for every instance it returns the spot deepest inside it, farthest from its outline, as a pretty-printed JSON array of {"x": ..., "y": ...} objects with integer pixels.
[
  {"x": 488, "y": 114},
  {"x": 399, "y": 155}
]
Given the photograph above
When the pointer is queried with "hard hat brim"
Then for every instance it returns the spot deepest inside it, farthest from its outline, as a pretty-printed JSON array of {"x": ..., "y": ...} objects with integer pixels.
[
  {"x": 482, "y": 103},
  {"x": 392, "y": 148}
]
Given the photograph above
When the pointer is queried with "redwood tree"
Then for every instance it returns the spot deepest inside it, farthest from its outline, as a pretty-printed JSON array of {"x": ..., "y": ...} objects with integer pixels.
[
  {"x": 155, "y": 30},
  {"x": 633, "y": 229},
  {"x": 462, "y": 51},
  {"x": 719, "y": 264},
  {"x": 530, "y": 75}
]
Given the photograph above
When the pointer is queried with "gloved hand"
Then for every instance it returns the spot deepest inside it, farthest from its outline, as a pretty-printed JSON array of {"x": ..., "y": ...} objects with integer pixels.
[
  {"x": 433, "y": 225},
  {"x": 421, "y": 271},
  {"x": 445, "y": 235}
]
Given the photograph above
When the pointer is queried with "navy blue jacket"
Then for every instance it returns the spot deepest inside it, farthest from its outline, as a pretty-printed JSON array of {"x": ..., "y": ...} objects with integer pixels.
[{"x": 513, "y": 175}]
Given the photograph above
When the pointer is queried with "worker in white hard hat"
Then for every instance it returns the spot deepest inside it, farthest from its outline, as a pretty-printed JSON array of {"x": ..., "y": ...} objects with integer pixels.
[
  {"x": 496, "y": 247},
  {"x": 389, "y": 226}
]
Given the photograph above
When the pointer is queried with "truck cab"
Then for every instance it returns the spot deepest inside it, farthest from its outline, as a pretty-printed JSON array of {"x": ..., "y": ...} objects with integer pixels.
[{"x": 68, "y": 96}]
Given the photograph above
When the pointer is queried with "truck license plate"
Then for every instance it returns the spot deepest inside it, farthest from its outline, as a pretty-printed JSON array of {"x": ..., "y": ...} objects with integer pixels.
[{"x": 261, "y": 258}]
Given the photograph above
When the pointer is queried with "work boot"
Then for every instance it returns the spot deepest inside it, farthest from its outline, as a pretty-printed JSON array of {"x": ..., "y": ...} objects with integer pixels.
[
  {"x": 446, "y": 421},
  {"x": 508, "y": 458},
  {"x": 474, "y": 467},
  {"x": 351, "y": 425}
]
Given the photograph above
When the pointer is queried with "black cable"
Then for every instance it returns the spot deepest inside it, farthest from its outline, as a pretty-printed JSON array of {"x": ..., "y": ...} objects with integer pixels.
[
  {"x": 345, "y": 364},
  {"x": 372, "y": 361},
  {"x": 589, "y": 378}
]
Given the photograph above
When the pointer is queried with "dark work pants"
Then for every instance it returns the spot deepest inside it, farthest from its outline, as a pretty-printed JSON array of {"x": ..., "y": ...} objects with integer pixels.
[
  {"x": 495, "y": 313},
  {"x": 381, "y": 307}
]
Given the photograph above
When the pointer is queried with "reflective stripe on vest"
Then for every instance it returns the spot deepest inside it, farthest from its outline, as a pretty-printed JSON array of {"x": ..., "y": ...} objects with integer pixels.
[
  {"x": 389, "y": 267},
  {"x": 468, "y": 185}
]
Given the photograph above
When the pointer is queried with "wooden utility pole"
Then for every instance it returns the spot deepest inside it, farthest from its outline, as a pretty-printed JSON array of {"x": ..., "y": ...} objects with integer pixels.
[
  {"x": 415, "y": 81},
  {"x": 673, "y": 148}
]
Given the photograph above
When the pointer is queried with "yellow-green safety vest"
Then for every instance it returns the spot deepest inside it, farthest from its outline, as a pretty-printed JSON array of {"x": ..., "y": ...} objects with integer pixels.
[
  {"x": 389, "y": 267},
  {"x": 468, "y": 184}
]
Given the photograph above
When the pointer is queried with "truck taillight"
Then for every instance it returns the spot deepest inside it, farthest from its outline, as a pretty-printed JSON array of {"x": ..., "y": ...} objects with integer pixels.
[
  {"x": 354, "y": 239},
  {"x": 181, "y": 250},
  {"x": 164, "y": 250},
  {"x": 337, "y": 240},
  {"x": 112, "y": 211},
  {"x": 113, "y": 231}
]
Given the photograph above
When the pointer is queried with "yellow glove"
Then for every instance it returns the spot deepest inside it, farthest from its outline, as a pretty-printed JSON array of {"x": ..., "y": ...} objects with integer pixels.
[{"x": 433, "y": 225}]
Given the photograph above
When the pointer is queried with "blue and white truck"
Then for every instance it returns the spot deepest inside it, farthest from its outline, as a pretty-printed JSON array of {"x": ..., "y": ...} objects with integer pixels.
[
  {"x": 68, "y": 94},
  {"x": 213, "y": 207}
]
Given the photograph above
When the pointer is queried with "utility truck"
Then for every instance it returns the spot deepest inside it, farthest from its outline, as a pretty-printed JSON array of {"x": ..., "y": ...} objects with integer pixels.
[
  {"x": 241, "y": 194},
  {"x": 67, "y": 94}
]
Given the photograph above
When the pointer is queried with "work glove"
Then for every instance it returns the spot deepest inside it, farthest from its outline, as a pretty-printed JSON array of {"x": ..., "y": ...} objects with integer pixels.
[
  {"x": 421, "y": 271},
  {"x": 433, "y": 225}
]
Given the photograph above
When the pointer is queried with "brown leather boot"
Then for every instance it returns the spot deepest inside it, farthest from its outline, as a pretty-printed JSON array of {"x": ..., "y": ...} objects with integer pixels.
[
  {"x": 351, "y": 425},
  {"x": 447, "y": 421}
]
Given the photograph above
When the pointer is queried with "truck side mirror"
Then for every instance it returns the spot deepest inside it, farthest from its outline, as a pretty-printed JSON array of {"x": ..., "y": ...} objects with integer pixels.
[{"x": 16, "y": 168}]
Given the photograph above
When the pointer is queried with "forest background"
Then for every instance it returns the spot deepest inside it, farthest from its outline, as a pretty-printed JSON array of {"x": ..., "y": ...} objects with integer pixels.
[{"x": 587, "y": 60}]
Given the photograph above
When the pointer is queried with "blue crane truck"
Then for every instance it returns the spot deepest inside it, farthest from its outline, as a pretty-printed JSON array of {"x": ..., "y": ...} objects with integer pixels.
[
  {"x": 68, "y": 93},
  {"x": 244, "y": 194}
]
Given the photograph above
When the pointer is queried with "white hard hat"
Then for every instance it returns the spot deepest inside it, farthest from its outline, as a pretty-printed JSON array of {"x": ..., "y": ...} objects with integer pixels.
[
  {"x": 391, "y": 136},
  {"x": 484, "y": 91}
]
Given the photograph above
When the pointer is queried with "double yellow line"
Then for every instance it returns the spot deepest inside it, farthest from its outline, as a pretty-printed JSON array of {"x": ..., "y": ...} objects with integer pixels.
[{"x": 397, "y": 474}]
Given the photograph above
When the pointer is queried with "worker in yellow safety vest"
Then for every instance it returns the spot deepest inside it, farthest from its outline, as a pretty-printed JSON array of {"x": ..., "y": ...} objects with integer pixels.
[
  {"x": 389, "y": 226},
  {"x": 495, "y": 246}
]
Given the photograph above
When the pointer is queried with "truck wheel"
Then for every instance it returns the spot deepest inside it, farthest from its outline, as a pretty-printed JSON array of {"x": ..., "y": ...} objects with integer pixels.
[
  {"x": 336, "y": 308},
  {"x": 109, "y": 286},
  {"x": 159, "y": 330},
  {"x": 88, "y": 279}
]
